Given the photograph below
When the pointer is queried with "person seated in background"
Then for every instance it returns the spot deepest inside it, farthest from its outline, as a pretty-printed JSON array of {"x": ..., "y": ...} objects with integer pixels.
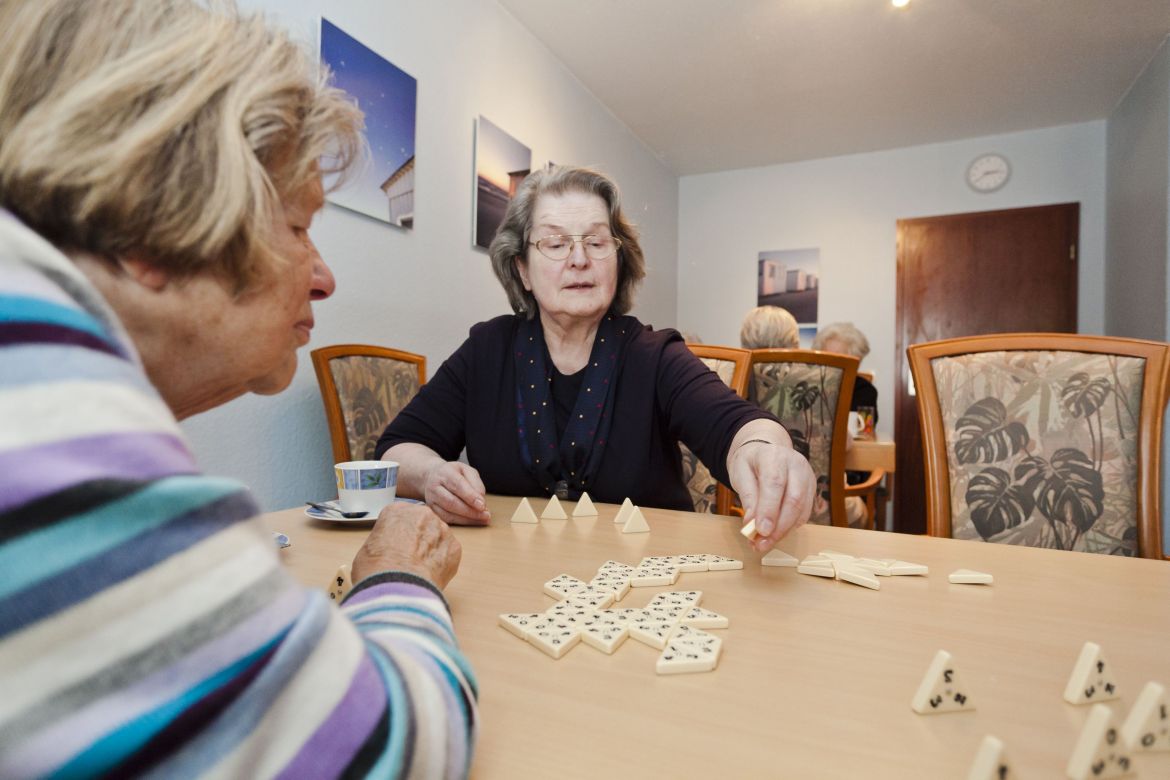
[
  {"x": 160, "y": 165},
  {"x": 773, "y": 327},
  {"x": 844, "y": 338},
  {"x": 769, "y": 327},
  {"x": 570, "y": 395}
]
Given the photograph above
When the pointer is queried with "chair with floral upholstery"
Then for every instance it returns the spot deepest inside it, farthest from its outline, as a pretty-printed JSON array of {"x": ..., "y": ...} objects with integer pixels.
[
  {"x": 1044, "y": 439},
  {"x": 809, "y": 392},
  {"x": 731, "y": 365},
  {"x": 364, "y": 388}
]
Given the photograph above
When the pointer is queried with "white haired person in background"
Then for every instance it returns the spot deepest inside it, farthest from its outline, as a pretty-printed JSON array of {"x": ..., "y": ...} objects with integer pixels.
[
  {"x": 844, "y": 338},
  {"x": 769, "y": 327},
  {"x": 160, "y": 164}
]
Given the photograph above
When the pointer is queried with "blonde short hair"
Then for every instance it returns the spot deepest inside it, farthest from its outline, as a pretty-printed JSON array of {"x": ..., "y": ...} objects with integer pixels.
[
  {"x": 769, "y": 327},
  {"x": 511, "y": 240},
  {"x": 847, "y": 333},
  {"x": 162, "y": 128}
]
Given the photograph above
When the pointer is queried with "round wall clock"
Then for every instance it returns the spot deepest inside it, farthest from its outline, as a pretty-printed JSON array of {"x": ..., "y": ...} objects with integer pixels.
[{"x": 988, "y": 172}]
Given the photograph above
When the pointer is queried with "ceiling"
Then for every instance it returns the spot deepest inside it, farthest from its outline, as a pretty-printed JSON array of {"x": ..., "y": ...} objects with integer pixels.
[{"x": 713, "y": 85}]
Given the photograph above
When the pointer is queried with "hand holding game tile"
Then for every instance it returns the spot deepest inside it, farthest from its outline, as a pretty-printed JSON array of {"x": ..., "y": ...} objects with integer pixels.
[{"x": 774, "y": 482}]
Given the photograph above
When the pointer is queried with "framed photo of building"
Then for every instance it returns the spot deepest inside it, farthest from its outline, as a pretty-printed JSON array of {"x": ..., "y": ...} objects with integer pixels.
[
  {"x": 789, "y": 278},
  {"x": 388, "y": 95},
  {"x": 501, "y": 163}
]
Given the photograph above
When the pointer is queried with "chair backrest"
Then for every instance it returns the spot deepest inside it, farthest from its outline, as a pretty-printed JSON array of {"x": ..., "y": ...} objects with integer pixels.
[
  {"x": 364, "y": 388},
  {"x": 1044, "y": 439},
  {"x": 809, "y": 391},
  {"x": 731, "y": 365}
]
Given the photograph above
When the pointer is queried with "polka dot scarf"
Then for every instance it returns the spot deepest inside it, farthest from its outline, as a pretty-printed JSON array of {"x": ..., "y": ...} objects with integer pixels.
[{"x": 567, "y": 467}]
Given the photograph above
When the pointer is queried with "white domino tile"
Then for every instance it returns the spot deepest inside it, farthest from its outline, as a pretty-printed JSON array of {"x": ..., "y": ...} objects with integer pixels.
[
  {"x": 698, "y": 617},
  {"x": 518, "y": 622},
  {"x": 941, "y": 689},
  {"x": 1147, "y": 727},
  {"x": 970, "y": 577},
  {"x": 777, "y": 557},
  {"x": 1092, "y": 677},
  {"x": 1100, "y": 752}
]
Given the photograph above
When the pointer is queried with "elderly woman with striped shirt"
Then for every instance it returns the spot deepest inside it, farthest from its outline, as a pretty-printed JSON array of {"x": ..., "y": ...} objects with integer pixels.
[{"x": 160, "y": 165}]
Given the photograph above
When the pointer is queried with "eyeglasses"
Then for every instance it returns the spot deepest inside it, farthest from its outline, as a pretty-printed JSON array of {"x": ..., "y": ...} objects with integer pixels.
[{"x": 558, "y": 248}]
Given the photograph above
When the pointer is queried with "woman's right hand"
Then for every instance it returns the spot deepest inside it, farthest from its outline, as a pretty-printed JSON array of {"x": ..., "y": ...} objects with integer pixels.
[
  {"x": 409, "y": 538},
  {"x": 456, "y": 494}
]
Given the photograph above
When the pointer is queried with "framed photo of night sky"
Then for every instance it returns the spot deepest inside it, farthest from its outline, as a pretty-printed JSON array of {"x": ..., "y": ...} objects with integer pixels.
[
  {"x": 501, "y": 163},
  {"x": 389, "y": 97}
]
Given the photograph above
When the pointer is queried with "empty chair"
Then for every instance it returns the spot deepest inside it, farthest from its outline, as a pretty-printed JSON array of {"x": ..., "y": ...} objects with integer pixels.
[
  {"x": 731, "y": 365},
  {"x": 364, "y": 387},
  {"x": 809, "y": 391},
  {"x": 1048, "y": 440}
]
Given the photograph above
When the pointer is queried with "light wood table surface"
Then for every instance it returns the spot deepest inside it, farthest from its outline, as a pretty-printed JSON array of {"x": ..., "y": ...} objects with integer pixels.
[
  {"x": 870, "y": 455},
  {"x": 816, "y": 675}
]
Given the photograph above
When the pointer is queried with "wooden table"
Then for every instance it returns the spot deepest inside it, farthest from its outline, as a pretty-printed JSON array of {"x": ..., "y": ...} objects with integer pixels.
[
  {"x": 816, "y": 675},
  {"x": 869, "y": 455}
]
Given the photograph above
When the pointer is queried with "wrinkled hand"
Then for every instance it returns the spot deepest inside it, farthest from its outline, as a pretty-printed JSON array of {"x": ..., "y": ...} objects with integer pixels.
[
  {"x": 456, "y": 494},
  {"x": 409, "y": 538},
  {"x": 776, "y": 486}
]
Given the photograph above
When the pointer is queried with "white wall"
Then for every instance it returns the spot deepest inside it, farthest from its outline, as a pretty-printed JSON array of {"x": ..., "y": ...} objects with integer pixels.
[
  {"x": 848, "y": 206},
  {"x": 1138, "y": 144},
  {"x": 420, "y": 290}
]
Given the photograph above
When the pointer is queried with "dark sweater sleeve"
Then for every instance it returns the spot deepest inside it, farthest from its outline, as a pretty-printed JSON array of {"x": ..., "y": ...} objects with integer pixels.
[
  {"x": 435, "y": 417},
  {"x": 701, "y": 411}
]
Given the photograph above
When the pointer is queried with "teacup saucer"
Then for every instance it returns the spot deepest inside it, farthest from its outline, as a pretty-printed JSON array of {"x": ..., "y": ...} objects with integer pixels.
[{"x": 317, "y": 514}]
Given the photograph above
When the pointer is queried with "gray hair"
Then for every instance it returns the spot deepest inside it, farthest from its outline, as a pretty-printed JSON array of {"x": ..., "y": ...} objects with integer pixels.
[
  {"x": 510, "y": 244},
  {"x": 856, "y": 344},
  {"x": 163, "y": 128},
  {"x": 769, "y": 327}
]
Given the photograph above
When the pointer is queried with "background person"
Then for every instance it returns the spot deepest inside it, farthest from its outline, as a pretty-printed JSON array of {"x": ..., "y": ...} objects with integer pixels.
[
  {"x": 769, "y": 327},
  {"x": 158, "y": 175},
  {"x": 844, "y": 338},
  {"x": 570, "y": 394}
]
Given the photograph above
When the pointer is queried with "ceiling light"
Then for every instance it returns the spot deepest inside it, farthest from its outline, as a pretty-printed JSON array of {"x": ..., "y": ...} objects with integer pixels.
[{"x": 900, "y": 3}]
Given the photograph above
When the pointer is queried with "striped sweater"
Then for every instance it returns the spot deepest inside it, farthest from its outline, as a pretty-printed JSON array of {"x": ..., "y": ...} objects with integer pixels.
[{"x": 146, "y": 624}]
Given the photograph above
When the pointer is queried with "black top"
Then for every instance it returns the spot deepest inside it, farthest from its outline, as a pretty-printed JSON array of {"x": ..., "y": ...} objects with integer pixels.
[
  {"x": 864, "y": 394},
  {"x": 664, "y": 394}
]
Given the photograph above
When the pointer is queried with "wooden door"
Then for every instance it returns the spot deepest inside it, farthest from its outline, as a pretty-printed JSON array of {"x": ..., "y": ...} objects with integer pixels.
[{"x": 966, "y": 274}]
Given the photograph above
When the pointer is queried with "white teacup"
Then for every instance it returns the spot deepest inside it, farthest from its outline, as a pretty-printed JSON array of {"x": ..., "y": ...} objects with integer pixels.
[
  {"x": 856, "y": 424},
  {"x": 366, "y": 485}
]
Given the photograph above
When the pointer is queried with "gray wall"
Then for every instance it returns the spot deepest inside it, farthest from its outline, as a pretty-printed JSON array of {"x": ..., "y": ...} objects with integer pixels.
[
  {"x": 1139, "y": 219},
  {"x": 1138, "y": 162},
  {"x": 420, "y": 290}
]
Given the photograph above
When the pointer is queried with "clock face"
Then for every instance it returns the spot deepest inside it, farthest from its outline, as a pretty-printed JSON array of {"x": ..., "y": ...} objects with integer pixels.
[{"x": 988, "y": 172}]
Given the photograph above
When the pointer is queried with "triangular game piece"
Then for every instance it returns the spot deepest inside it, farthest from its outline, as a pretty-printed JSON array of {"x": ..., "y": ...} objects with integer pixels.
[
  {"x": 991, "y": 762},
  {"x": 553, "y": 510},
  {"x": 697, "y": 617},
  {"x": 689, "y": 651},
  {"x": 880, "y": 568},
  {"x": 553, "y": 636},
  {"x": 907, "y": 569},
  {"x": 749, "y": 530},
  {"x": 524, "y": 513},
  {"x": 940, "y": 689},
  {"x": 970, "y": 577},
  {"x": 1091, "y": 679},
  {"x": 604, "y": 632},
  {"x": 624, "y": 512},
  {"x": 1148, "y": 724},
  {"x": 584, "y": 507},
  {"x": 1099, "y": 751},
  {"x": 518, "y": 622},
  {"x": 777, "y": 557},
  {"x": 636, "y": 524},
  {"x": 857, "y": 575},
  {"x": 722, "y": 563},
  {"x": 341, "y": 584},
  {"x": 835, "y": 556}
]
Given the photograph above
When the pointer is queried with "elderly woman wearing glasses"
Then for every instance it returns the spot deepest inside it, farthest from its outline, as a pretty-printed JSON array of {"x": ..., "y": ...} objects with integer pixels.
[{"x": 570, "y": 394}]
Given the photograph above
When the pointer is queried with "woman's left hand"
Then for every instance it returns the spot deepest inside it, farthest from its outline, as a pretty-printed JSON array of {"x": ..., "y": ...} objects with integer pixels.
[{"x": 775, "y": 483}]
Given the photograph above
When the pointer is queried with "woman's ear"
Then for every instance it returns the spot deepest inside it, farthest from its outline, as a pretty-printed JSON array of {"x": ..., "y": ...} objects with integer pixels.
[
  {"x": 522, "y": 269},
  {"x": 145, "y": 272}
]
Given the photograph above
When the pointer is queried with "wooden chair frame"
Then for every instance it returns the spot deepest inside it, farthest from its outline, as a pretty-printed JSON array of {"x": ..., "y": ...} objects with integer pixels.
[
  {"x": 742, "y": 360},
  {"x": 332, "y": 400},
  {"x": 848, "y": 366},
  {"x": 1155, "y": 383}
]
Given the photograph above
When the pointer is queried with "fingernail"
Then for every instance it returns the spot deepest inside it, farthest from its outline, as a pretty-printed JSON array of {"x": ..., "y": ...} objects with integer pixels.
[{"x": 764, "y": 527}]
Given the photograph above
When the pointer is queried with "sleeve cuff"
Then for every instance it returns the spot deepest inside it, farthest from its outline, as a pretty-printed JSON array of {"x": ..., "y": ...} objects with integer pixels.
[{"x": 396, "y": 576}]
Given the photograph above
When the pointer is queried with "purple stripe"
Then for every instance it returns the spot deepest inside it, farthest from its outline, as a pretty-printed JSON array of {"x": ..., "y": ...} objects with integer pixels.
[
  {"x": 339, "y": 738},
  {"x": 40, "y": 471},
  {"x": 42, "y": 333},
  {"x": 383, "y": 589}
]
